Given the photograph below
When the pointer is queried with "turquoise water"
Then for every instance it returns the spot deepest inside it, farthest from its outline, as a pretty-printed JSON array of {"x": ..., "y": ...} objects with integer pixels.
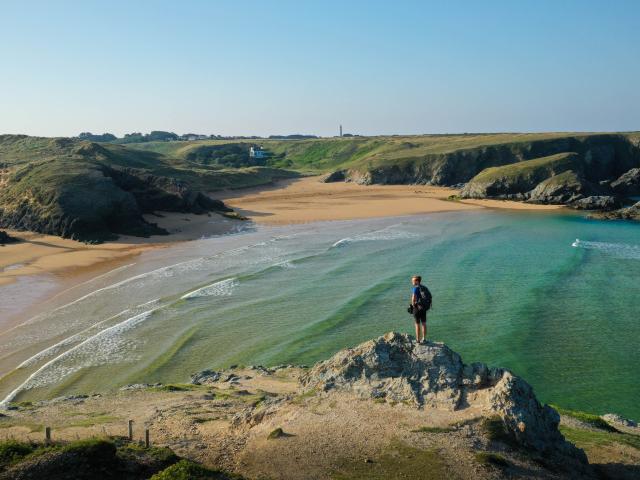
[{"x": 509, "y": 289}]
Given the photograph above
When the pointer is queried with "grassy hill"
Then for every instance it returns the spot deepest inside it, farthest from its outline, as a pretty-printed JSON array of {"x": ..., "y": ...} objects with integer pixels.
[
  {"x": 440, "y": 159},
  {"x": 93, "y": 192}
]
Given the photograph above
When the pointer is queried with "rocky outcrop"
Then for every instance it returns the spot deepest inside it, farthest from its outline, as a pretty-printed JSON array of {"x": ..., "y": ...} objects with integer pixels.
[
  {"x": 6, "y": 238},
  {"x": 628, "y": 183},
  {"x": 615, "y": 419},
  {"x": 337, "y": 176},
  {"x": 393, "y": 368},
  {"x": 627, "y": 213},
  {"x": 597, "y": 202}
]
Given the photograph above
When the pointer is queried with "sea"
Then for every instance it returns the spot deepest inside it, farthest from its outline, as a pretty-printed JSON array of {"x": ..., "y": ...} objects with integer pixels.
[{"x": 554, "y": 297}]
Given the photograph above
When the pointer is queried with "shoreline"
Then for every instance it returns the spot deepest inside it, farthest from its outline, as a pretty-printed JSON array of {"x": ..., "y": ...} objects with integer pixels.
[
  {"x": 307, "y": 199},
  {"x": 41, "y": 267}
]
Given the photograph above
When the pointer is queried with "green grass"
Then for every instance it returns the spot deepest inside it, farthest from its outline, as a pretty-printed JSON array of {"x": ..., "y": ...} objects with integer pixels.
[
  {"x": 178, "y": 387},
  {"x": 587, "y": 418},
  {"x": 12, "y": 452},
  {"x": 434, "y": 430},
  {"x": 585, "y": 438},
  {"x": 534, "y": 170},
  {"x": 188, "y": 470},
  {"x": 491, "y": 459}
]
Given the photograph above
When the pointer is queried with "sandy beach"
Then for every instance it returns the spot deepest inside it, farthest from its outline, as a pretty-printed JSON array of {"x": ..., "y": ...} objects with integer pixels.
[
  {"x": 65, "y": 263},
  {"x": 290, "y": 201},
  {"x": 310, "y": 200}
]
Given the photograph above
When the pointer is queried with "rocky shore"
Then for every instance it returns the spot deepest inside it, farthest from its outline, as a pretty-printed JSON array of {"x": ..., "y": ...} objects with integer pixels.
[
  {"x": 590, "y": 172},
  {"x": 388, "y": 408}
]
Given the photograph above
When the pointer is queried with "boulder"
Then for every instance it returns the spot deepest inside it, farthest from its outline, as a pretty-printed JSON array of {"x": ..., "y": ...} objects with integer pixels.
[
  {"x": 396, "y": 369},
  {"x": 337, "y": 176},
  {"x": 206, "y": 377},
  {"x": 628, "y": 183},
  {"x": 597, "y": 202},
  {"x": 627, "y": 213},
  {"x": 6, "y": 238},
  {"x": 615, "y": 419},
  {"x": 564, "y": 188}
]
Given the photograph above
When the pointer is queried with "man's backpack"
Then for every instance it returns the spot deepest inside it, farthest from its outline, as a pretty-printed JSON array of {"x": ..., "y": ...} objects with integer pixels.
[{"x": 426, "y": 298}]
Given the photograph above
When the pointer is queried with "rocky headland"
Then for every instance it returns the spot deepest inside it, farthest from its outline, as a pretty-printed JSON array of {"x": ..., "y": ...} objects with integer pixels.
[
  {"x": 598, "y": 172},
  {"x": 95, "y": 192},
  {"x": 388, "y": 408}
]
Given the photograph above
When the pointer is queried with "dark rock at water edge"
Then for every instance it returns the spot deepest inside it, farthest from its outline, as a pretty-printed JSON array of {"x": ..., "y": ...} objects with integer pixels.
[
  {"x": 628, "y": 183},
  {"x": 6, "y": 238}
]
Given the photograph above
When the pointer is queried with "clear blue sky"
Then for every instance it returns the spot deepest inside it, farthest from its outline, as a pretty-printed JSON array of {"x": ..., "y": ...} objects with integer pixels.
[{"x": 267, "y": 67}]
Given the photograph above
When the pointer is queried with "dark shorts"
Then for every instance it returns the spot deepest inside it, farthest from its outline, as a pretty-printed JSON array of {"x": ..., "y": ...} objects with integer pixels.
[{"x": 420, "y": 315}]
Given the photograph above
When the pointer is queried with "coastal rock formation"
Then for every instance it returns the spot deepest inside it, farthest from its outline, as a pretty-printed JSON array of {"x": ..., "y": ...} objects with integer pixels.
[
  {"x": 597, "y": 202},
  {"x": 91, "y": 192},
  {"x": 627, "y": 213},
  {"x": 6, "y": 238},
  {"x": 394, "y": 368},
  {"x": 628, "y": 183}
]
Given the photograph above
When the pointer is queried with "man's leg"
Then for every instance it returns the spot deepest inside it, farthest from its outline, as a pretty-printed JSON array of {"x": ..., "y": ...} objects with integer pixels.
[
  {"x": 424, "y": 331},
  {"x": 417, "y": 331}
]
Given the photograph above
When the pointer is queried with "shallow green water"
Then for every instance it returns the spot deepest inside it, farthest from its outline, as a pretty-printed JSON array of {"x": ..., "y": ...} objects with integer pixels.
[{"x": 509, "y": 289}]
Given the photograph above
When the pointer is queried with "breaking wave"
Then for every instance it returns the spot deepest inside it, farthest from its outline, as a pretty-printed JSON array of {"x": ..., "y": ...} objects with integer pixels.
[{"x": 223, "y": 288}]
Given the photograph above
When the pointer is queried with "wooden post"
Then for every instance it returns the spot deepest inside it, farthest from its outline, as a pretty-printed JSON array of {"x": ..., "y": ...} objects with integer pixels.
[
  {"x": 130, "y": 429},
  {"x": 47, "y": 434},
  {"x": 146, "y": 437}
]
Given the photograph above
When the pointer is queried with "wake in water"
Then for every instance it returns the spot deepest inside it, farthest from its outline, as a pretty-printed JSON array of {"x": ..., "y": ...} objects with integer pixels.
[{"x": 619, "y": 250}]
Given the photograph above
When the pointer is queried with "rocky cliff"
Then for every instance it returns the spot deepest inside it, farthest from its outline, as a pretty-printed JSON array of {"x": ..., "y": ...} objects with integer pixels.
[
  {"x": 587, "y": 171},
  {"x": 93, "y": 192},
  {"x": 394, "y": 368}
]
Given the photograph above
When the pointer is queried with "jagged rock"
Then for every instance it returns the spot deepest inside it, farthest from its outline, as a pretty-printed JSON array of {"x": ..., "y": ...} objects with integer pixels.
[
  {"x": 564, "y": 188},
  {"x": 205, "y": 377},
  {"x": 395, "y": 368},
  {"x": 597, "y": 202},
  {"x": 627, "y": 213},
  {"x": 139, "y": 386},
  {"x": 337, "y": 176},
  {"x": 616, "y": 419},
  {"x": 628, "y": 183}
]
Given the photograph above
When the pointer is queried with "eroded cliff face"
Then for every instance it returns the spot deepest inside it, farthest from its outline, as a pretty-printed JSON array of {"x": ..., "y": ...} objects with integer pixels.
[
  {"x": 86, "y": 192},
  {"x": 602, "y": 156}
]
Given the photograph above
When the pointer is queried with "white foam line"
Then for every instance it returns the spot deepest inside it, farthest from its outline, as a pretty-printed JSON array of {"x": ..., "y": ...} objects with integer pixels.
[
  {"x": 43, "y": 353},
  {"x": 93, "y": 279},
  {"x": 130, "y": 322},
  {"x": 127, "y": 280},
  {"x": 220, "y": 288}
]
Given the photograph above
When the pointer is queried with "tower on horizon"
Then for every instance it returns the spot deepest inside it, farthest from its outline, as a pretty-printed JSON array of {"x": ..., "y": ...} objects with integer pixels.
[{"x": 340, "y": 130}]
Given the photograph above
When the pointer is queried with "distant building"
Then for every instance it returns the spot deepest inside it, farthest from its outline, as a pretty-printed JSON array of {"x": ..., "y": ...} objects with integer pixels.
[
  {"x": 340, "y": 130},
  {"x": 257, "y": 152},
  {"x": 190, "y": 137}
]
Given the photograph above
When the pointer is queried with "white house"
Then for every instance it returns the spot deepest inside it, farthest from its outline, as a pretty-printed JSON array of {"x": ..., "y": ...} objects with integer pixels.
[{"x": 257, "y": 152}]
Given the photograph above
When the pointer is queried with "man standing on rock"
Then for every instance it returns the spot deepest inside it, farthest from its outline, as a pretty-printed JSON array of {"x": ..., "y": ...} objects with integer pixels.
[{"x": 421, "y": 302}]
